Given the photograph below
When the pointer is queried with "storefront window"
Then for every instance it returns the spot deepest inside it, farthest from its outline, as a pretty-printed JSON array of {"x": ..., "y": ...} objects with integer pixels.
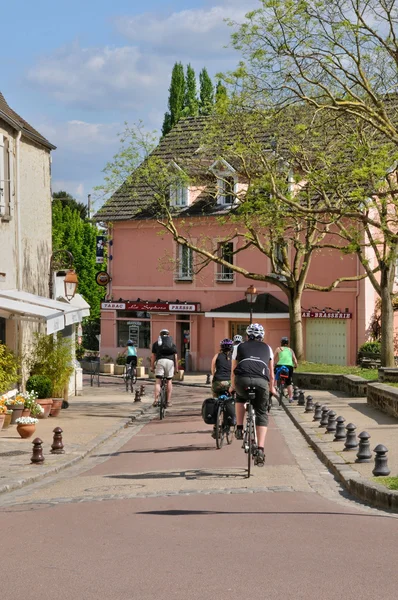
[
  {"x": 238, "y": 329},
  {"x": 137, "y": 331}
]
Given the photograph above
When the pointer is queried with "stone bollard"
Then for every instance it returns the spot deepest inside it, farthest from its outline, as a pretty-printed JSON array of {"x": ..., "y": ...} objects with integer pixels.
[
  {"x": 351, "y": 442},
  {"x": 309, "y": 407},
  {"x": 142, "y": 390},
  {"x": 324, "y": 418},
  {"x": 381, "y": 467},
  {"x": 331, "y": 426},
  {"x": 340, "y": 430},
  {"x": 208, "y": 378},
  {"x": 318, "y": 412},
  {"x": 57, "y": 446},
  {"x": 301, "y": 398},
  {"x": 137, "y": 397},
  {"x": 37, "y": 456},
  {"x": 364, "y": 454},
  {"x": 295, "y": 395}
]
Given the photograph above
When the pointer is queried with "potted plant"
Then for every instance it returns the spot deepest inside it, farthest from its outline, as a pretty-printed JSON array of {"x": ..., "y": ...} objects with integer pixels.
[
  {"x": 41, "y": 385},
  {"x": 3, "y": 412},
  {"x": 26, "y": 426},
  {"x": 179, "y": 375},
  {"x": 80, "y": 352},
  {"x": 16, "y": 405},
  {"x": 107, "y": 365},
  {"x": 9, "y": 365},
  {"x": 140, "y": 368},
  {"x": 120, "y": 364}
]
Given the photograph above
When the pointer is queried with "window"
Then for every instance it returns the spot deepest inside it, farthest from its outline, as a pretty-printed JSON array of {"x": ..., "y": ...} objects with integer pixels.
[
  {"x": 226, "y": 190},
  {"x": 138, "y": 331},
  {"x": 226, "y": 251},
  {"x": 6, "y": 176},
  {"x": 185, "y": 267},
  {"x": 236, "y": 328},
  {"x": 2, "y": 330},
  {"x": 178, "y": 195}
]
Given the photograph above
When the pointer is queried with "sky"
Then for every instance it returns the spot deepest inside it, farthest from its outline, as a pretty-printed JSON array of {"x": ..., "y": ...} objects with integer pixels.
[{"x": 77, "y": 70}]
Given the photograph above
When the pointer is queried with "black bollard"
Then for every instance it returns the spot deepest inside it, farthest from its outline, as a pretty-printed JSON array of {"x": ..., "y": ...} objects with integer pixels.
[
  {"x": 208, "y": 378},
  {"x": 351, "y": 442},
  {"x": 57, "y": 446},
  {"x": 301, "y": 398},
  {"x": 309, "y": 407},
  {"x": 324, "y": 418},
  {"x": 331, "y": 426},
  {"x": 295, "y": 395},
  {"x": 37, "y": 456},
  {"x": 318, "y": 412},
  {"x": 142, "y": 390},
  {"x": 137, "y": 397},
  {"x": 340, "y": 430},
  {"x": 364, "y": 454},
  {"x": 381, "y": 467}
]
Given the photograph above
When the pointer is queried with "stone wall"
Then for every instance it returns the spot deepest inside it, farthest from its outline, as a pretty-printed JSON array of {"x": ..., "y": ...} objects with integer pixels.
[
  {"x": 384, "y": 398},
  {"x": 352, "y": 385},
  {"x": 388, "y": 374}
]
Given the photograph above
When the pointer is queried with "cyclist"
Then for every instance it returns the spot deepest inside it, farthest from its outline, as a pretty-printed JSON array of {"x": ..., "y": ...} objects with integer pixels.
[
  {"x": 285, "y": 357},
  {"x": 221, "y": 368},
  {"x": 164, "y": 354},
  {"x": 131, "y": 354},
  {"x": 238, "y": 339},
  {"x": 253, "y": 366}
]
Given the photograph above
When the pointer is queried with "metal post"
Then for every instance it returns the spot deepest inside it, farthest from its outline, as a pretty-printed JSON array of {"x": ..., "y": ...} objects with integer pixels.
[{"x": 251, "y": 314}]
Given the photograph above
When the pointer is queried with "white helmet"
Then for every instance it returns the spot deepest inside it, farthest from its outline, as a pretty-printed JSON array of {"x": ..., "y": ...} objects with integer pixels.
[
  {"x": 238, "y": 339},
  {"x": 255, "y": 331}
]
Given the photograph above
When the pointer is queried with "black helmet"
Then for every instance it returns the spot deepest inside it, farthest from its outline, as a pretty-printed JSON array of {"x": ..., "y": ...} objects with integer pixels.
[
  {"x": 285, "y": 341},
  {"x": 130, "y": 343}
]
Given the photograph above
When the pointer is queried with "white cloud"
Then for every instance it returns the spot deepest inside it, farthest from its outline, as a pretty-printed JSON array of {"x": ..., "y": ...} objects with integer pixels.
[
  {"x": 75, "y": 188},
  {"x": 83, "y": 137}
]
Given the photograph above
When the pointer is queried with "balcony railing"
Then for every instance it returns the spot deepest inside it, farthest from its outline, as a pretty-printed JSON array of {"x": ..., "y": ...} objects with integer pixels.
[
  {"x": 225, "y": 276},
  {"x": 183, "y": 275}
]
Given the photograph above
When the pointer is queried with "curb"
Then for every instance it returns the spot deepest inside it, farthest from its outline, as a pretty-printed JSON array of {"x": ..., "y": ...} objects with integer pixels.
[
  {"x": 362, "y": 489},
  {"x": 100, "y": 439},
  {"x": 147, "y": 380}
]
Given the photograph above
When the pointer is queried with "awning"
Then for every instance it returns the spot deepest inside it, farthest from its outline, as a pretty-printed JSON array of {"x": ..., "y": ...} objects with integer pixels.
[
  {"x": 266, "y": 306},
  {"x": 55, "y": 313},
  {"x": 79, "y": 302}
]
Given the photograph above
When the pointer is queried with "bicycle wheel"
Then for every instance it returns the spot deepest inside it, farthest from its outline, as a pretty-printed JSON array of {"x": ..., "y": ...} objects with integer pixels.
[
  {"x": 229, "y": 434},
  {"x": 249, "y": 443},
  {"x": 162, "y": 402},
  {"x": 220, "y": 427},
  {"x": 126, "y": 380},
  {"x": 280, "y": 394},
  {"x": 134, "y": 376},
  {"x": 131, "y": 382}
]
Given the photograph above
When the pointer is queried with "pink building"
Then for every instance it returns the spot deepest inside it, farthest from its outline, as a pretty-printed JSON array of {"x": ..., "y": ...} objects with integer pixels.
[{"x": 154, "y": 284}]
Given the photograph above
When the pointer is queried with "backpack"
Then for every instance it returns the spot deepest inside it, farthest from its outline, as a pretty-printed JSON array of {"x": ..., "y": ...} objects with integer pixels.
[
  {"x": 209, "y": 411},
  {"x": 167, "y": 348}
]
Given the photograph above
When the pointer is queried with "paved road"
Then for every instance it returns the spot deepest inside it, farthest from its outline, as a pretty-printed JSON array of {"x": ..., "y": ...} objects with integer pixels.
[{"x": 160, "y": 513}]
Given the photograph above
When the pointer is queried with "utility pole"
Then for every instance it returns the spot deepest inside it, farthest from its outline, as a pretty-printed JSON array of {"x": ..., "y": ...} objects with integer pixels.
[{"x": 89, "y": 206}]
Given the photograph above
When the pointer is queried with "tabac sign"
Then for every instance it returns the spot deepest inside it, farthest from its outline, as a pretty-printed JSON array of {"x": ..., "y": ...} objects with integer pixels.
[
  {"x": 181, "y": 307},
  {"x": 309, "y": 314}
]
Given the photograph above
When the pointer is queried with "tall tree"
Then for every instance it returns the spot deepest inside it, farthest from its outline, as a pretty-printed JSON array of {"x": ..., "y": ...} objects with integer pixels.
[
  {"x": 191, "y": 105},
  {"x": 206, "y": 93},
  {"x": 68, "y": 200},
  {"x": 221, "y": 96},
  {"x": 176, "y": 98}
]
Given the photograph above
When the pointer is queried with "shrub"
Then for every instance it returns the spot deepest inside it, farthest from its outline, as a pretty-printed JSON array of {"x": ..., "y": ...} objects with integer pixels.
[
  {"x": 121, "y": 359},
  {"x": 374, "y": 347},
  {"x": 51, "y": 356},
  {"x": 9, "y": 365},
  {"x": 107, "y": 359},
  {"x": 80, "y": 352},
  {"x": 41, "y": 385}
]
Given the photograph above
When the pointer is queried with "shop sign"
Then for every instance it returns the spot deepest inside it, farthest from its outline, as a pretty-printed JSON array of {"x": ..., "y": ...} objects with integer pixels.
[
  {"x": 99, "y": 249},
  {"x": 325, "y": 315},
  {"x": 162, "y": 307},
  {"x": 113, "y": 305},
  {"x": 182, "y": 307},
  {"x": 102, "y": 278},
  {"x": 135, "y": 323}
]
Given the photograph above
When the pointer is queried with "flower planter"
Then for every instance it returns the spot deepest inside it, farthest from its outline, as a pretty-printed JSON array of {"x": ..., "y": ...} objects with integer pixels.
[
  {"x": 17, "y": 410},
  {"x": 119, "y": 369},
  {"x": 46, "y": 404},
  {"x": 107, "y": 368},
  {"x": 56, "y": 407},
  {"x": 26, "y": 412},
  {"x": 26, "y": 431},
  {"x": 140, "y": 371},
  {"x": 179, "y": 375},
  {"x": 7, "y": 420},
  {"x": 2, "y": 419}
]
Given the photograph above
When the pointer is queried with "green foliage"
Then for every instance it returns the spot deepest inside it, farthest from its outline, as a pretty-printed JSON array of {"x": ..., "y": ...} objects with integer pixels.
[
  {"x": 374, "y": 347},
  {"x": 91, "y": 329},
  {"x": 206, "y": 93},
  {"x": 68, "y": 200},
  {"x": 191, "y": 105},
  {"x": 41, "y": 385},
  {"x": 121, "y": 359},
  {"x": 71, "y": 232},
  {"x": 106, "y": 359},
  {"x": 221, "y": 97},
  {"x": 9, "y": 365},
  {"x": 52, "y": 356},
  {"x": 390, "y": 482},
  {"x": 176, "y": 98},
  {"x": 308, "y": 367},
  {"x": 80, "y": 351}
]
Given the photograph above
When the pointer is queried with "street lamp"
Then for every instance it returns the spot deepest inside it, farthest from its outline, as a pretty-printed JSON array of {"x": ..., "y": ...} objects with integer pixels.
[
  {"x": 251, "y": 297},
  {"x": 70, "y": 283}
]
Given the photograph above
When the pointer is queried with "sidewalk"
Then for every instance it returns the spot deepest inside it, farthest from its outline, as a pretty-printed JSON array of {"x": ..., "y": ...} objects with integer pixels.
[
  {"x": 356, "y": 477},
  {"x": 90, "y": 420}
]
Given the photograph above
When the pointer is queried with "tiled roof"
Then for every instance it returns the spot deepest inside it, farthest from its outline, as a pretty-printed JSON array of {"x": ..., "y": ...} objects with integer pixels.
[
  {"x": 265, "y": 303},
  {"x": 19, "y": 123}
]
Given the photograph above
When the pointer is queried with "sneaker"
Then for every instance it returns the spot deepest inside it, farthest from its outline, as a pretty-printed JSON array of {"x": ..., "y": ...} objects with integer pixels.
[
  {"x": 291, "y": 400},
  {"x": 259, "y": 459},
  {"x": 239, "y": 434},
  {"x": 213, "y": 433}
]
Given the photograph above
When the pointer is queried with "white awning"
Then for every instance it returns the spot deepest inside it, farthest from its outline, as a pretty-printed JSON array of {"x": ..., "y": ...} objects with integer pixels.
[
  {"x": 56, "y": 314},
  {"x": 79, "y": 302}
]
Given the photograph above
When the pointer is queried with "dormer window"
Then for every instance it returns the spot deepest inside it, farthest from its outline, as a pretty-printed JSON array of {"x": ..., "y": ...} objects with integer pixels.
[
  {"x": 227, "y": 181},
  {"x": 179, "y": 195}
]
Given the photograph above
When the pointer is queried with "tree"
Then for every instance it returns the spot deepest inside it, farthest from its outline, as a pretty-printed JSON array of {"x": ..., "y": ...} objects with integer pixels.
[
  {"x": 68, "y": 200},
  {"x": 340, "y": 57},
  {"x": 191, "y": 105},
  {"x": 221, "y": 96},
  {"x": 176, "y": 98},
  {"x": 206, "y": 94}
]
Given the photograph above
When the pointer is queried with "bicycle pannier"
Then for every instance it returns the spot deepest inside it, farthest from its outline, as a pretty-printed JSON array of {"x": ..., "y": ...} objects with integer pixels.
[
  {"x": 230, "y": 413},
  {"x": 209, "y": 411}
]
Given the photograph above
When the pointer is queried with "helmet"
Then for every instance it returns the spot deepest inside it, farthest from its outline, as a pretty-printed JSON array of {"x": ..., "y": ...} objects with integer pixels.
[
  {"x": 164, "y": 332},
  {"x": 285, "y": 341},
  {"x": 226, "y": 344},
  {"x": 130, "y": 343},
  {"x": 255, "y": 331},
  {"x": 238, "y": 339}
]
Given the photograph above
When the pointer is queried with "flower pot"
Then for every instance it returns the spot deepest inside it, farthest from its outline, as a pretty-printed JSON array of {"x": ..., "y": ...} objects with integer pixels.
[
  {"x": 119, "y": 369},
  {"x": 107, "y": 368},
  {"x": 26, "y": 431},
  {"x": 17, "y": 410},
  {"x": 140, "y": 371},
  {"x": 26, "y": 412},
  {"x": 7, "y": 420},
  {"x": 56, "y": 407},
  {"x": 179, "y": 375},
  {"x": 2, "y": 419},
  {"x": 46, "y": 404}
]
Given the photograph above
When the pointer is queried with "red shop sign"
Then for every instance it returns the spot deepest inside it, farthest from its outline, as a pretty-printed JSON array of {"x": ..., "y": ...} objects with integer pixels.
[
  {"x": 325, "y": 315},
  {"x": 164, "y": 307}
]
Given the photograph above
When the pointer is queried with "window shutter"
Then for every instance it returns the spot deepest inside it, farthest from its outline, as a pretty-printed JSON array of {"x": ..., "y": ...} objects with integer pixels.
[
  {"x": 2, "y": 182},
  {"x": 11, "y": 172}
]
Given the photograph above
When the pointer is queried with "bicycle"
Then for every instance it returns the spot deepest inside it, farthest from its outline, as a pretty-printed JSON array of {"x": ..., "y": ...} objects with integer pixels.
[
  {"x": 162, "y": 400},
  {"x": 249, "y": 432},
  {"x": 282, "y": 376},
  {"x": 130, "y": 377},
  {"x": 223, "y": 427}
]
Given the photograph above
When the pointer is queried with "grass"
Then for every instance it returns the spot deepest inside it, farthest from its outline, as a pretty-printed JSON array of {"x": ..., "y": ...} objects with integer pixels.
[
  {"x": 308, "y": 367},
  {"x": 390, "y": 482}
]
